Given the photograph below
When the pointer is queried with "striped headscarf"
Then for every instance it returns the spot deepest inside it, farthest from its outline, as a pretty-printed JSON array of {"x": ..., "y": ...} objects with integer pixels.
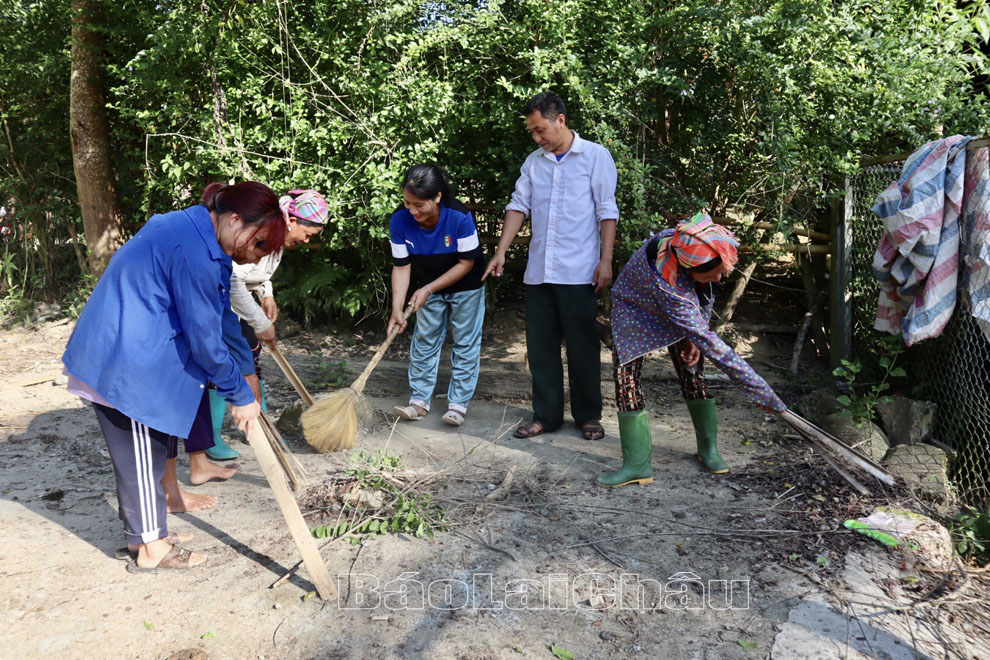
[
  {"x": 306, "y": 205},
  {"x": 696, "y": 241}
]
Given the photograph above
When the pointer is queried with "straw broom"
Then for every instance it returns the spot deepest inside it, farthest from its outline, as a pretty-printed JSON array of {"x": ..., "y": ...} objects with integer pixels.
[{"x": 331, "y": 424}]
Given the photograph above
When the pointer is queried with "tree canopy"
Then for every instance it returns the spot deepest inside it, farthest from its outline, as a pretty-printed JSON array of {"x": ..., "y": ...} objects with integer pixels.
[{"x": 746, "y": 107}]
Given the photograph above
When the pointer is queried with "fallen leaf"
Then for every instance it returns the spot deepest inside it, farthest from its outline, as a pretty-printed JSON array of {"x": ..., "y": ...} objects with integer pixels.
[
  {"x": 749, "y": 646},
  {"x": 149, "y": 626},
  {"x": 562, "y": 654},
  {"x": 309, "y": 594},
  {"x": 207, "y": 636}
]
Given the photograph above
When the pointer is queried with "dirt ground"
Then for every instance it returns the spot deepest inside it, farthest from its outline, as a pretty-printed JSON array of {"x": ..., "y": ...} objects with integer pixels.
[{"x": 556, "y": 563}]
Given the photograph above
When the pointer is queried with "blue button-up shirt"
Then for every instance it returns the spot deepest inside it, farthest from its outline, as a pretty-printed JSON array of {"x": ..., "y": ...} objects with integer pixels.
[
  {"x": 151, "y": 334},
  {"x": 567, "y": 200}
]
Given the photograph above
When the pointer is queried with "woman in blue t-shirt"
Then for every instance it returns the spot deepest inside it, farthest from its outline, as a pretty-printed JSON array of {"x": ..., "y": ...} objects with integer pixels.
[{"x": 436, "y": 233}]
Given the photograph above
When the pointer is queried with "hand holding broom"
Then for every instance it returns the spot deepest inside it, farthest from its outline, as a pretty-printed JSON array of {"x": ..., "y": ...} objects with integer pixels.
[{"x": 331, "y": 423}]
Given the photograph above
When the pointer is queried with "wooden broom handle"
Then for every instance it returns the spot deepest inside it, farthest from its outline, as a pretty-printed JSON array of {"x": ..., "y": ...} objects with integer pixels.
[
  {"x": 314, "y": 563},
  {"x": 290, "y": 373},
  {"x": 359, "y": 384}
]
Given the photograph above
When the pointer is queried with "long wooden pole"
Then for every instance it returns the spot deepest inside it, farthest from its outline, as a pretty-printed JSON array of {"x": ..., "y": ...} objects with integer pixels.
[
  {"x": 290, "y": 374},
  {"x": 318, "y": 572}
]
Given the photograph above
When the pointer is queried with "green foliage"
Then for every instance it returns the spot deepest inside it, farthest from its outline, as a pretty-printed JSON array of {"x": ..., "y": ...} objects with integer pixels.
[
  {"x": 403, "y": 509},
  {"x": 860, "y": 403},
  {"x": 37, "y": 190},
  {"x": 757, "y": 109},
  {"x": 329, "y": 374},
  {"x": 971, "y": 532}
]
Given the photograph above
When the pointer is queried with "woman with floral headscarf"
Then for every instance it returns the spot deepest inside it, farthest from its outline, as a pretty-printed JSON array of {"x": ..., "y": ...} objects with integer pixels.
[
  {"x": 663, "y": 299},
  {"x": 305, "y": 213}
]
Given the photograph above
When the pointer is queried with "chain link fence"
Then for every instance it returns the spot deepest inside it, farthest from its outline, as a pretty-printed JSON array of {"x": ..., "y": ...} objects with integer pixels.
[{"x": 953, "y": 369}]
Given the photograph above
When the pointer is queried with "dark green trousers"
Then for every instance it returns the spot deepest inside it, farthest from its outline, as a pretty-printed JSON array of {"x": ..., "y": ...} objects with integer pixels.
[{"x": 556, "y": 312}]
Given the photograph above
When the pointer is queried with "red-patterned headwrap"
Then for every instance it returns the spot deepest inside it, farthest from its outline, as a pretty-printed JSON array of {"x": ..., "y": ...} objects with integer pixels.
[{"x": 696, "y": 241}]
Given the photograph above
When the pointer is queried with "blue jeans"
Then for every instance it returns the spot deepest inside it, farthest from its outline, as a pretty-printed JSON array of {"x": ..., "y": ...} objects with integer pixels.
[{"x": 464, "y": 311}]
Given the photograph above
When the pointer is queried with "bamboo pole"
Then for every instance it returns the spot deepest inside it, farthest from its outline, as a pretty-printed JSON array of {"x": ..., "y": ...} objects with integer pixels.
[
  {"x": 318, "y": 572},
  {"x": 893, "y": 158},
  {"x": 807, "y": 248},
  {"x": 279, "y": 453},
  {"x": 273, "y": 430},
  {"x": 796, "y": 231},
  {"x": 819, "y": 437},
  {"x": 290, "y": 374}
]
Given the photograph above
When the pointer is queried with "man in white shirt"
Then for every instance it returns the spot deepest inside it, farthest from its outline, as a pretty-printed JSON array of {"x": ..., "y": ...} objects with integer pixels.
[{"x": 567, "y": 187}]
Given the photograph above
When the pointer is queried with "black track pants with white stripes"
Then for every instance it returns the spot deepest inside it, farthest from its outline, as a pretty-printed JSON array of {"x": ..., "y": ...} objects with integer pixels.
[{"x": 138, "y": 454}]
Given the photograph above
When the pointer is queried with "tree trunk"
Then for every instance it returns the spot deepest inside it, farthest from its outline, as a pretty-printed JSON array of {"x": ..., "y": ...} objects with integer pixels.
[{"x": 90, "y": 131}]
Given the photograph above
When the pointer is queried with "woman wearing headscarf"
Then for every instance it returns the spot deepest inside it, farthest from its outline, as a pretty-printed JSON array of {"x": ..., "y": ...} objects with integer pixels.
[
  {"x": 150, "y": 338},
  {"x": 253, "y": 300},
  {"x": 663, "y": 299}
]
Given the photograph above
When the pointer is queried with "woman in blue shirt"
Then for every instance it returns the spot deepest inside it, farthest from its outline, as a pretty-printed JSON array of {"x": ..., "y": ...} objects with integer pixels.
[
  {"x": 150, "y": 338},
  {"x": 436, "y": 232}
]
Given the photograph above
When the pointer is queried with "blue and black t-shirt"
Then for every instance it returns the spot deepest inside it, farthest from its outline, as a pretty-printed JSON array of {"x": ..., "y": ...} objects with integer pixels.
[{"x": 436, "y": 251}]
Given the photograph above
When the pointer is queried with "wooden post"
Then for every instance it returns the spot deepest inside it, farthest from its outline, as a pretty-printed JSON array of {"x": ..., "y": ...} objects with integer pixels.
[
  {"x": 842, "y": 241},
  {"x": 318, "y": 572}
]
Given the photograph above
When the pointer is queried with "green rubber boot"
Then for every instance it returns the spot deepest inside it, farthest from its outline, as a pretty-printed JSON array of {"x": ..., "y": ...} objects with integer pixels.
[
  {"x": 219, "y": 451},
  {"x": 637, "y": 449},
  {"x": 706, "y": 430}
]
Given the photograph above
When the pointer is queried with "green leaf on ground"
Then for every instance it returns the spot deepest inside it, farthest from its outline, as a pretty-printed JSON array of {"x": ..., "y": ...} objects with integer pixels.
[
  {"x": 749, "y": 646},
  {"x": 149, "y": 626},
  {"x": 207, "y": 636},
  {"x": 562, "y": 654}
]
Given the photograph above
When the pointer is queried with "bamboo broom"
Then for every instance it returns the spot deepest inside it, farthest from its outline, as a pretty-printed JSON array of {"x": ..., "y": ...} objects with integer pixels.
[
  {"x": 829, "y": 443},
  {"x": 331, "y": 424}
]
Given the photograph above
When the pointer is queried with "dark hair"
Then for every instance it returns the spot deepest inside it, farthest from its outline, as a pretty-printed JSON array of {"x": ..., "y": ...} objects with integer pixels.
[
  {"x": 547, "y": 104},
  {"x": 426, "y": 180},
  {"x": 709, "y": 265},
  {"x": 255, "y": 203}
]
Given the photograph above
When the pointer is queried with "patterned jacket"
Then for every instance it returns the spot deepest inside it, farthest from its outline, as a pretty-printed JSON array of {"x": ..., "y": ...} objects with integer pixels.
[{"x": 649, "y": 314}]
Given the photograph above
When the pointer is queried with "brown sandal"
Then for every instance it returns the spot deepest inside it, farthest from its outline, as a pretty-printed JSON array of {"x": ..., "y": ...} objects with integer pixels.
[
  {"x": 175, "y": 559},
  {"x": 593, "y": 430},
  {"x": 529, "y": 430},
  {"x": 126, "y": 553}
]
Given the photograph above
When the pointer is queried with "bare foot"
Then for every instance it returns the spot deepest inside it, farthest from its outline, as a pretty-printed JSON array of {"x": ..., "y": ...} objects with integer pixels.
[
  {"x": 203, "y": 470},
  {"x": 183, "y": 502},
  {"x": 171, "y": 539},
  {"x": 151, "y": 554}
]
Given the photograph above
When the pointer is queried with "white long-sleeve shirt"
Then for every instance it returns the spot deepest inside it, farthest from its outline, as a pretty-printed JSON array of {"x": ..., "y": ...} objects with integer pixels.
[
  {"x": 253, "y": 278},
  {"x": 566, "y": 200}
]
